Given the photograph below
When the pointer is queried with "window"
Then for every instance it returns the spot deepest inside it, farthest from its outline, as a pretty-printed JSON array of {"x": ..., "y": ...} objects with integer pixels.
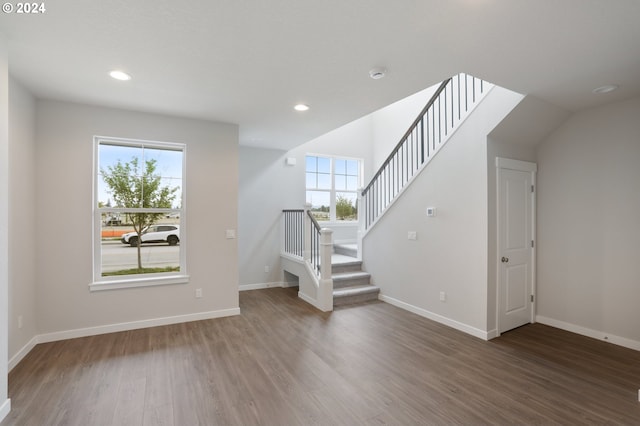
[
  {"x": 332, "y": 187},
  {"x": 138, "y": 213}
]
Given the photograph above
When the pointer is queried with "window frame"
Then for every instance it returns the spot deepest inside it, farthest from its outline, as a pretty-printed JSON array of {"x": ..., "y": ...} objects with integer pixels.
[
  {"x": 333, "y": 191},
  {"x": 99, "y": 282}
]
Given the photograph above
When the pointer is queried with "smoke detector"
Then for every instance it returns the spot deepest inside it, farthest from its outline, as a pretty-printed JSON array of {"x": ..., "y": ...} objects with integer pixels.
[{"x": 377, "y": 73}]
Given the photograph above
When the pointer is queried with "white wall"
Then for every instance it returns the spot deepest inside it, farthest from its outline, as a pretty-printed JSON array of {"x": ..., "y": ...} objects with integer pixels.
[
  {"x": 390, "y": 123},
  {"x": 267, "y": 186},
  {"x": 22, "y": 217},
  {"x": 64, "y": 161},
  {"x": 353, "y": 140},
  {"x": 5, "y": 403},
  {"x": 450, "y": 253},
  {"x": 588, "y": 224}
]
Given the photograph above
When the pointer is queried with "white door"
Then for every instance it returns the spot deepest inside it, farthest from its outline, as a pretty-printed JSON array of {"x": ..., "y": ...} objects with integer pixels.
[{"x": 516, "y": 198}]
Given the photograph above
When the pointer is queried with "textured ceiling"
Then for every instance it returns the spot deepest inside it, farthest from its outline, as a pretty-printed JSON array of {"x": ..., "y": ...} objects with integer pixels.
[{"x": 249, "y": 61}]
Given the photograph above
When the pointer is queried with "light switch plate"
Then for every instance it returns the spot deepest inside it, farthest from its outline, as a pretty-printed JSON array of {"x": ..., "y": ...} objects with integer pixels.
[{"x": 412, "y": 235}]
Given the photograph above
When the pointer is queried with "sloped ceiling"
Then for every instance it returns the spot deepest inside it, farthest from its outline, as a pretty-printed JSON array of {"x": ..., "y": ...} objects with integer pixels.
[
  {"x": 529, "y": 122},
  {"x": 249, "y": 61}
]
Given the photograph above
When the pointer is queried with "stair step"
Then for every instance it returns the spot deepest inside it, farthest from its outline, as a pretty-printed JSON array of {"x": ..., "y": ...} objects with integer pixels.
[
  {"x": 353, "y": 266},
  {"x": 350, "y": 283},
  {"x": 355, "y": 294},
  {"x": 350, "y": 279}
]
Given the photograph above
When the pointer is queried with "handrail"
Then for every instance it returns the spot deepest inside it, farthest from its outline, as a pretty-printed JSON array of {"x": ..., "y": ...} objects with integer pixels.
[
  {"x": 408, "y": 132},
  {"x": 313, "y": 220},
  {"x": 447, "y": 107},
  {"x": 314, "y": 254}
]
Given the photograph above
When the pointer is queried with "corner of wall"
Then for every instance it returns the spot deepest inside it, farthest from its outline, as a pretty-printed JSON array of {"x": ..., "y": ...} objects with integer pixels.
[
  {"x": 22, "y": 211},
  {"x": 5, "y": 402}
]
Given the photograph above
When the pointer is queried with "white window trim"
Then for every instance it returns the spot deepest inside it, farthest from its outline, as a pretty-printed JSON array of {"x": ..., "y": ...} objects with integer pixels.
[
  {"x": 155, "y": 280},
  {"x": 99, "y": 283},
  {"x": 332, "y": 192}
]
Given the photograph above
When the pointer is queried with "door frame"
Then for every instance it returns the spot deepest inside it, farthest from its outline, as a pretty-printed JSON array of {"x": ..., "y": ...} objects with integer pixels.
[{"x": 532, "y": 168}]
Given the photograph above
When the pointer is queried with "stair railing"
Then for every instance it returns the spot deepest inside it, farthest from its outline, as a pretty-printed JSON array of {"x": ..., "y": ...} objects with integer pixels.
[
  {"x": 293, "y": 238},
  {"x": 306, "y": 240},
  {"x": 448, "y": 106}
]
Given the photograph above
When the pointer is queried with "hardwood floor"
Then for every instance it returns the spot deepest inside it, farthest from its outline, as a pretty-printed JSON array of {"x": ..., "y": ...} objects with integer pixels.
[{"x": 284, "y": 363}]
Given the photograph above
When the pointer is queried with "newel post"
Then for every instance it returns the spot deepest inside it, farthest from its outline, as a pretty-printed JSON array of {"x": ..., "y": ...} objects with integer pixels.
[
  {"x": 306, "y": 232},
  {"x": 362, "y": 214},
  {"x": 325, "y": 291}
]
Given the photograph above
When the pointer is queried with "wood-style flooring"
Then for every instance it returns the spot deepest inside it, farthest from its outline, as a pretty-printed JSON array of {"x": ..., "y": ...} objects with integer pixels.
[{"x": 284, "y": 363}]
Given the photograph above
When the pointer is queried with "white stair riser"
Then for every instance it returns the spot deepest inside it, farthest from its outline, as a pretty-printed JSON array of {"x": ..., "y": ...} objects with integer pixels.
[{"x": 345, "y": 251}]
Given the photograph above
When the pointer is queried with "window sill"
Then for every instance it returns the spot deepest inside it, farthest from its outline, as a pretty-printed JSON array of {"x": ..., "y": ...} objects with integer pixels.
[{"x": 138, "y": 282}]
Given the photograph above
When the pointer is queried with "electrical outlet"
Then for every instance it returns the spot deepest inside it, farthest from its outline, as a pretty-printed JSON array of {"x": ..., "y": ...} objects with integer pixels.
[
  {"x": 443, "y": 296},
  {"x": 412, "y": 235},
  {"x": 19, "y": 321},
  {"x": 198, "y": 293},
  {"x": 266, "y": 268},
  {"x": 231, "y": 234}
]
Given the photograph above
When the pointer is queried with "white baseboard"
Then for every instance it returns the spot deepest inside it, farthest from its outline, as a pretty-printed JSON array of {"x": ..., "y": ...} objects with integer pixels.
[
  {"x": 23, "y": 352},
  {"x": 600, "y": 335},
  {"x": 133, "y": 325},
  {"x": 260, "y": 286},
  {"x": 5, "y": 408},
  {"x": 308, "y": 299},
  {"x": 113, "y": 328},
  {"x": 484, "y": 335},
  {"x": 492, "y": 334}
]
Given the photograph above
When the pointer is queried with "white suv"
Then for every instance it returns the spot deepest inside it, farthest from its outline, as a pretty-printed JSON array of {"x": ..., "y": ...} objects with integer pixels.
[{"x": 154, "y": 234}]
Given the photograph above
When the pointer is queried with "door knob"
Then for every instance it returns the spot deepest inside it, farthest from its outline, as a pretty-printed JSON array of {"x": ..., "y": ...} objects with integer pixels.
[{"x": 505, "y": 259}]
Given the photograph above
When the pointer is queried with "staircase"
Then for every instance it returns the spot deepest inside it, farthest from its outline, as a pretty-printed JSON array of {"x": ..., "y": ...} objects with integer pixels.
[
  {"x": 307, "y": 247},
  {"x": 449, "y": 106},
  {"x": 350, "y": 283}
]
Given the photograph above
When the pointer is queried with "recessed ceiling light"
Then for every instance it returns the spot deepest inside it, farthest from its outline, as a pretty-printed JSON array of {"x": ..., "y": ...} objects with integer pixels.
[
  {"x": 120, "y": 75},
  {"x": 377, "y": 73},
  {"x": 605, "y": 89},
  {"x": 301, "y": 107}
]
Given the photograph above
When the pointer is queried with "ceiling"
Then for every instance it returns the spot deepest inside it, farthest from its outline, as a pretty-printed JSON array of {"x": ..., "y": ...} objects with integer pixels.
[{"x": 249, "y": 61}]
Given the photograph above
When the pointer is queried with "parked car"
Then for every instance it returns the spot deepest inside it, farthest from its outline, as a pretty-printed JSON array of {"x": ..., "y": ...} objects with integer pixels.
[
  {"x": 113, "y": 221},
  {"x": 154, "y": 234}
]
